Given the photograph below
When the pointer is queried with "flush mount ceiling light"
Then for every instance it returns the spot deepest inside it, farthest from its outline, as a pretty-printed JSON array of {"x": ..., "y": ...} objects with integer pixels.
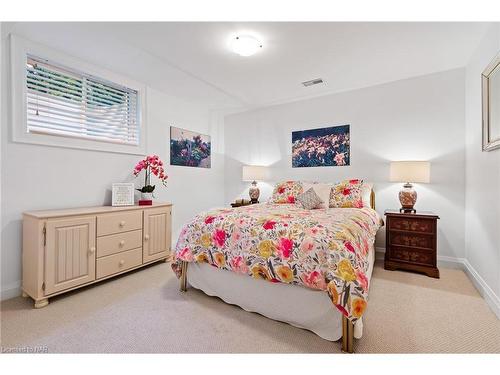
[{"x": 245, "y": 45}]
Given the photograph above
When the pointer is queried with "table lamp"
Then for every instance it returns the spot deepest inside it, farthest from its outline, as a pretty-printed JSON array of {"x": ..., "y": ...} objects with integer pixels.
[
  {"x": 408, "y": 172},
  {"x": 254, "y": 173}
]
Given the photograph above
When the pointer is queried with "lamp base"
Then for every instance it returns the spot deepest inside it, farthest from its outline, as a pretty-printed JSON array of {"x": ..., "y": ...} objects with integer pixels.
[
  {"x": 254, "y": 192},
  {"x": 407, "y": 210},
  {"x": 408, "y": 198}
]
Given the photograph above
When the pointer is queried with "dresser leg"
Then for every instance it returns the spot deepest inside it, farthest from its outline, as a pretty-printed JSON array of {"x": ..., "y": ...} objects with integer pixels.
[
  {"x": 184, "y": 266},
  {"x": 41, "y": 303},
  {"x": 24, "y": 295},
  {"x": 347, "y": 335}
]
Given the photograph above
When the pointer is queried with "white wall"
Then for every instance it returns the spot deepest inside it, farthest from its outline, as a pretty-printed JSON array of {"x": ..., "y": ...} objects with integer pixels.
[
  {"x": 482, "y": 179},
  {"x": 38, "y": 177},
  {"x": 415, "y": 119}
]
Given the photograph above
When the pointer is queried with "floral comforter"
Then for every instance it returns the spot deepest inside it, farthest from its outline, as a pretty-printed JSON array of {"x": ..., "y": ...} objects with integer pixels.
[{"x": 323, "y": 249}]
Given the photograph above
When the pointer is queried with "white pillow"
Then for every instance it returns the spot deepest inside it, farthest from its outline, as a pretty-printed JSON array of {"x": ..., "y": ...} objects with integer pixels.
[
  {"x": 366, "y": 190},
  {"x": 321, "y": 189}
]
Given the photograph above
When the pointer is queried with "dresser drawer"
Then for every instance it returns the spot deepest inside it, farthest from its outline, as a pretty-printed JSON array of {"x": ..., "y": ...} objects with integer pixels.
[
  {"x": 424, "y": 257},
  {"x": 118, "y": 262},
  {"x": 412, "y": 225},
  {"x": 119, "y": 222},
  {"x": 425, "y": 241},
  {"x": 115, "y": 243}
]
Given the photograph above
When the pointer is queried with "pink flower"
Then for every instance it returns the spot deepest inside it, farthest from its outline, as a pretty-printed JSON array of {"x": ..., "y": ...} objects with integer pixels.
[
  {"x": 186, "y": 255},
  {"x": 269, "y": 224},
  {"x": 235, "y": 236},
  {"x": 362, "y": 280},
  {"x": 349, "y": 246},
  {"x": 238, "y": 264},
  {"x": 307, "y": 244},
  {"x": 346, "y": 191},
  {"x": 291, "y": 199},
  {"x": 219, "y": 237},
  {"x": 314, "y": 280},
  {"x": 285, "y": 246},
  {"x": 209, "y": 219},
  {"x": 281, "y": 190}
]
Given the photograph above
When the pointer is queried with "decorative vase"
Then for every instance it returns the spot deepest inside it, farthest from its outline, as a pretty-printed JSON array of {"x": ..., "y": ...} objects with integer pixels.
[
  {"x": 146, "y": 199},
  {"x": 408, "y": 198}
]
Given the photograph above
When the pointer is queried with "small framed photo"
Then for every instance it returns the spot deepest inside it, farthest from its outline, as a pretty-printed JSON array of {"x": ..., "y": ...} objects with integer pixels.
[{"x": 123, "y": 194}]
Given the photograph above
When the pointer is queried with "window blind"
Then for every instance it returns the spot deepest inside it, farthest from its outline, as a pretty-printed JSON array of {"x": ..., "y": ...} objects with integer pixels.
[{"x": 64, "y": 102}]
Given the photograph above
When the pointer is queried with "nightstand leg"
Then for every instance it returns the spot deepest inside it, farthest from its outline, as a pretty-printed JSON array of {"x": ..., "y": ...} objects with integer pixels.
[
  {"x": 184, "y": 276},
  {"x": 347, "y": 335}
]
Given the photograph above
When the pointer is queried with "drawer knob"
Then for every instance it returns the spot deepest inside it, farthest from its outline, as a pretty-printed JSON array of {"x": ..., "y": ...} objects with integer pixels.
[
  {"x": 122, "y": 243},
  {"x": 146, "y": 237},
  {"x": 92, "y": 250},
  {"x": 122, "y": 224},
  {"x": 122, "y": 262}
]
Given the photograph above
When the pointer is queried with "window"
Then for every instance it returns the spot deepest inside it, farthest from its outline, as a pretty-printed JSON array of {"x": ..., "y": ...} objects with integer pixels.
[
  {"x": 58, "y": 100},
  {"x": 68, "y": 103}
]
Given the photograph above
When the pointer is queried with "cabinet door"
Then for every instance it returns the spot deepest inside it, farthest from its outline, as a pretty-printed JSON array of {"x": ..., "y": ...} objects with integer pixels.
[
  {"x": 69, "y": 253},
  {"x": 157, "y": 237}
]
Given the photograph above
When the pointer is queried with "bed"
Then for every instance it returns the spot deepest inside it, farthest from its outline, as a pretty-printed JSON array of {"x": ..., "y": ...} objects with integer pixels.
[{"x": 308, "y": 268}]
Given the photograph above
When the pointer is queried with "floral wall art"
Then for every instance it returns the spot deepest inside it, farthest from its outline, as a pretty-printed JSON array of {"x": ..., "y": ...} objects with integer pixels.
[
  {"x": 189, "y": 149},
  {"x": 323, "y": 147}
]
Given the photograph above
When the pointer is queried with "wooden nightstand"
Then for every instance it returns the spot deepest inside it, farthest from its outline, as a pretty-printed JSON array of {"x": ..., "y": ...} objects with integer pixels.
[{"x": 411, "y": 242}]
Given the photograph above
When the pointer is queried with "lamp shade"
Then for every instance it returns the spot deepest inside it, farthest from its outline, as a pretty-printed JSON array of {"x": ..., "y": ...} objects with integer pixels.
[
  {"x": 254, "y": 173},
  {"x": 410, "y": 171}
]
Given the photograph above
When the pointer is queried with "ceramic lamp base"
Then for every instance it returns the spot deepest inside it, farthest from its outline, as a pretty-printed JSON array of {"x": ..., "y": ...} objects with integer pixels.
[
  {"x": 408, "y": 198},
  {"x": 254, "y": 192}
]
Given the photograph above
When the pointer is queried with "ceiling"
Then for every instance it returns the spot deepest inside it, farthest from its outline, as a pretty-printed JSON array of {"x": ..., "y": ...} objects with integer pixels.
[{"x": 346, "y": 55}]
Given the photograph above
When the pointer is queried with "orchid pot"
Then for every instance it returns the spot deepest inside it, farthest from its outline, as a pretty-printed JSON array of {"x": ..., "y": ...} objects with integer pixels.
[{"x": 151, "y": 165}]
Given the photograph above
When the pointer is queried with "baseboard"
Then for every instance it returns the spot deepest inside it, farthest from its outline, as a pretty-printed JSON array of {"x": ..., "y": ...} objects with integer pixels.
[
  {"x": 10, "y": 291},
  {"x": 484, "y": 290}
]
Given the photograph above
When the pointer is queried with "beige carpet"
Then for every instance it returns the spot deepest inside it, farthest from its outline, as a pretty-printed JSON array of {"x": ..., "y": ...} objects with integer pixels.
[{"x": 144, "y": 312}]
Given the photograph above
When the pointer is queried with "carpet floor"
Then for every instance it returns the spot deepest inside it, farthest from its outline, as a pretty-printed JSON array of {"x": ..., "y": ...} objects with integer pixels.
[{"x": 144, "y": 312}]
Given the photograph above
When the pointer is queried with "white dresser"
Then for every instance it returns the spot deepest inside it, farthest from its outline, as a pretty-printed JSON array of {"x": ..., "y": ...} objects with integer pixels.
[{"x": 67, "y": 249}]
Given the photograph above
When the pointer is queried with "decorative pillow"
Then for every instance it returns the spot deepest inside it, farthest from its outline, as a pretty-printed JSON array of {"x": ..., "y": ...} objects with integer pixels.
[
  {"x": 322, "y": 189},
  {"x": 346, "y": 194},
  {"x": 286, "y": 192},
  {"x": 309, "y": 200}
]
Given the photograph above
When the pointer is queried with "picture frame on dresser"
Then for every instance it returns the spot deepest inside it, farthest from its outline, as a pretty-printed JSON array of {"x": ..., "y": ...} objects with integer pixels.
[{"x": 122, "y": 194}]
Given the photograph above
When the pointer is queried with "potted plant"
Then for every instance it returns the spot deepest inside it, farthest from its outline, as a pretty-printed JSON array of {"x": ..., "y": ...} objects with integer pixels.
[{"x": 151, "y": 165}]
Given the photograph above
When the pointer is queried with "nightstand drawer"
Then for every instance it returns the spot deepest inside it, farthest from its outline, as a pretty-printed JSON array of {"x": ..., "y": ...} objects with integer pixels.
[
  {"x": 411, "y": 224},
  {"x": 424, "y": 257},
  {"x": 425, "y": 241}
]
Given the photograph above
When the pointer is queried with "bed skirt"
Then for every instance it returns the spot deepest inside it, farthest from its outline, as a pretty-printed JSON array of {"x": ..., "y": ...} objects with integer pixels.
[{"x": 293, "y": 304}]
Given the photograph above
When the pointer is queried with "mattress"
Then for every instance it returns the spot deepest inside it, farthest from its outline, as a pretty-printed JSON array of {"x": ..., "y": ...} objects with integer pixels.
[{"x": 293, "y": 304}]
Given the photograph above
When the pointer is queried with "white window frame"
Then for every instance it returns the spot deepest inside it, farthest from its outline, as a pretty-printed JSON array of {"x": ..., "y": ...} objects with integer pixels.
[{"x": 20, "y": 48}]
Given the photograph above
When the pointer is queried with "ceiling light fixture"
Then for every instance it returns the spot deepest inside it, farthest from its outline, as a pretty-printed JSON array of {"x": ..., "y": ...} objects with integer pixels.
[{"x": 245, "y": 45}]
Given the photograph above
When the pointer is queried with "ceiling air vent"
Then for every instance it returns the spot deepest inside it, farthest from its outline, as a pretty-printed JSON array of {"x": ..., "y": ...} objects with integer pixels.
[{"x": 312, "y": 82}]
